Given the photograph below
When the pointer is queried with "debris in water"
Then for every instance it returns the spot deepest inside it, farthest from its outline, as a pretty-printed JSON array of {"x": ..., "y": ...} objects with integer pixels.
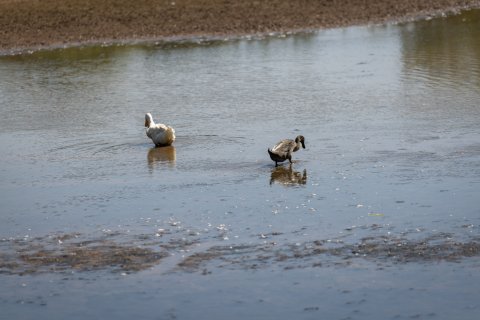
[{"x": 376, "y": 214}]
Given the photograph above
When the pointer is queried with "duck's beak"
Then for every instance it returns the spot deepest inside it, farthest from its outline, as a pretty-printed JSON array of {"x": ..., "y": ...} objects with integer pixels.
[
  {"x": 146, "y": 123},
  {"x": 303, "y": 144}
]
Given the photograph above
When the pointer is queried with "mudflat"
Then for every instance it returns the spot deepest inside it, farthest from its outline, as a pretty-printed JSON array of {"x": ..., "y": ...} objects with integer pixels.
[{"x": 33, "y": 24}]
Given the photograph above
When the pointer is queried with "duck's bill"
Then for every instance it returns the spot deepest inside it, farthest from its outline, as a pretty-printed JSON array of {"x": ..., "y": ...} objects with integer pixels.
[{"x": 303, "y": 145}]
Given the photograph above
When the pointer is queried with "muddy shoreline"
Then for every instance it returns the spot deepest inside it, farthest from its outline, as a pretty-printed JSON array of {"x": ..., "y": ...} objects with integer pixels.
[
  {"x": 119, "y": 252},
  {"x": 32, "y": 25}
]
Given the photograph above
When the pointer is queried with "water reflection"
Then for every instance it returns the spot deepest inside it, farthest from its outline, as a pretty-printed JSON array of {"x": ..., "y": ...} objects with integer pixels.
[
  {"x": 160, "y": 156},
  {"x": 287, "y": 176},
  {"x": 444, "y": 51}
]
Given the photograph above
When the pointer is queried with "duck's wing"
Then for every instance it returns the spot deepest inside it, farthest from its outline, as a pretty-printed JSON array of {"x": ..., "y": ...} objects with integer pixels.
[
  {"x": 155, "y": 131},
  {"x": 284, "y": 147},
  {"x": 161, "y": 134}
]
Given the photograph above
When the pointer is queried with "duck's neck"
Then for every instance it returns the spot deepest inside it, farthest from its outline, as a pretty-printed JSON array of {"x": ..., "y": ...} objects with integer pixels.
[
  {"x": 149, "y": 123},
  {"x": 297, "y": 146}
]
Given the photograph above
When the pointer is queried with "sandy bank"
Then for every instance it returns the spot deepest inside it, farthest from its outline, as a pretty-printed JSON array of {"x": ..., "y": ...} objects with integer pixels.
[{"x": 31, "y": 24}]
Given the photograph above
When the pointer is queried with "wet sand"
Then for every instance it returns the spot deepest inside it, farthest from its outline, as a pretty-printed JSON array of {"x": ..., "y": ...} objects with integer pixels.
[
  {"x": 117, "y": 252},
  {"x": 31, "y": 24}
]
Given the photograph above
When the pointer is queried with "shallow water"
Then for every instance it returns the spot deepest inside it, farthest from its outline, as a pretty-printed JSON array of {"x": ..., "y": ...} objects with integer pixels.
[{"x": 378, "y": 218}]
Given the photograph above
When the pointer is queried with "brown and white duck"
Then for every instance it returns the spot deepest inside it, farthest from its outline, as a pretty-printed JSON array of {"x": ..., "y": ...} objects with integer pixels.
[{"x": 283, "y": 150}]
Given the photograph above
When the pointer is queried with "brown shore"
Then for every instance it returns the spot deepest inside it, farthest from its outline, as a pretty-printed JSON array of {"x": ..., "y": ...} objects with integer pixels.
[{"x": 34, "y": 24}]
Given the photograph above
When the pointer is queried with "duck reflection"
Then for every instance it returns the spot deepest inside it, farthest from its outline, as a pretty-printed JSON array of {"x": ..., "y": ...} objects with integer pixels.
[
  {"x": 161, "y": 155},
  {"x": 287, "y": 176}
]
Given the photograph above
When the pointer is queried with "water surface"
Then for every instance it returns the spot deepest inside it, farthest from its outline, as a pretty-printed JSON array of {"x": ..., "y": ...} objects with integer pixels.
[{"x": 378, "y": 218}]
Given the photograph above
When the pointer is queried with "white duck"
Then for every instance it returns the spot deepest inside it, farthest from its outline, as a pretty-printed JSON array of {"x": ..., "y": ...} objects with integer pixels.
[{"x": 160, "y": 134}]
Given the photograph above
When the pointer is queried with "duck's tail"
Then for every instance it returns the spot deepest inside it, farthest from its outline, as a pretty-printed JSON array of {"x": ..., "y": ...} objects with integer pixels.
[
  {"x": 171, "y": 134},
  {"x": 273, "y": 156}
]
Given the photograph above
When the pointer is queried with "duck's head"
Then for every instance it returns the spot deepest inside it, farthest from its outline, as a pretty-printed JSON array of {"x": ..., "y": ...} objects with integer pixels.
[
  {"x": 148, "y": 119},
  {"x": 300, "y": 139}
]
